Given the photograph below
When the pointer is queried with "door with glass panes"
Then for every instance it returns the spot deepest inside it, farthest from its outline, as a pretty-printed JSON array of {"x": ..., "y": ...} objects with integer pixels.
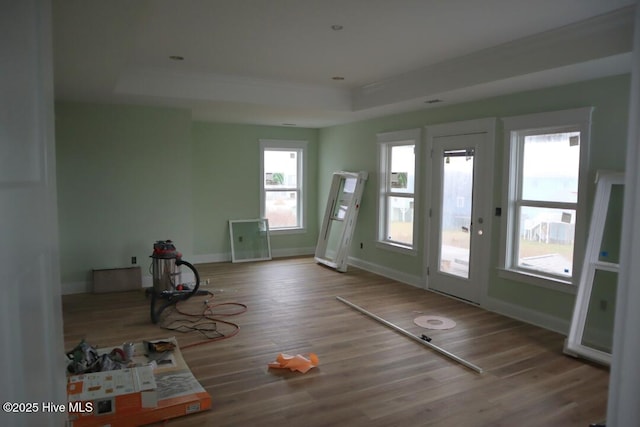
[{"x": 460, "y": 208}]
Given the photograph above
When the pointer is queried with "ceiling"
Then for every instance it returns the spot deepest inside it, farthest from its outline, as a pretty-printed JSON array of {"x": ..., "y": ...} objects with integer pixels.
[{"x": 273, "y": 62}]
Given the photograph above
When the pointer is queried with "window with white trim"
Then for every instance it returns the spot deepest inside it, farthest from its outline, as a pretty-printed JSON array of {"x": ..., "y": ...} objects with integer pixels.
[
  {"x": 543, "y": 229},
  {"x": 398, "y": 157},
  {"x": 282, "y": 177}
]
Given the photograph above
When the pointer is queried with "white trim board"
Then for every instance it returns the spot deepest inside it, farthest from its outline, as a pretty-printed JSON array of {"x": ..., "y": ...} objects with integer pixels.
[
  {"x": 81, "y": 287},
  {"x": 494, "y": 305},
  {"x": 208, "y": 258},
  {"x": 289, "y": 252},
  {"x": 408, "y": 279},
  {"x": 527, "y": 315},
  {"x": 275, "y": 253},
  {"x": 86, "y": 286}
]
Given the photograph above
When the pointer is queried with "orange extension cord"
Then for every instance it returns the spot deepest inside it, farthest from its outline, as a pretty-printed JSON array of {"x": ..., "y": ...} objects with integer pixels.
[{"x": 208, "y": 313}]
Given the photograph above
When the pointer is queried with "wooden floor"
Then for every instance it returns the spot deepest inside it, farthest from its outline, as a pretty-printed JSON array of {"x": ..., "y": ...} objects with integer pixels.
[{"x": 369, "y": 375}]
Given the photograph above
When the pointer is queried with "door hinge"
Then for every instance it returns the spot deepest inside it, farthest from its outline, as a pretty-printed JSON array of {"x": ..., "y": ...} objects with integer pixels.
[
  {"x": 429, "y": 212},
  {"x": 428, "y": 271}
]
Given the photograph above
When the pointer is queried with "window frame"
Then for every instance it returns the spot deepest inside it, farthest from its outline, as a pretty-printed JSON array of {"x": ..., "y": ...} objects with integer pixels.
[
  {"x": 299, "y": 146},
  {"x": 515, "y": 130},
  {"x": 386, "y": 141}
]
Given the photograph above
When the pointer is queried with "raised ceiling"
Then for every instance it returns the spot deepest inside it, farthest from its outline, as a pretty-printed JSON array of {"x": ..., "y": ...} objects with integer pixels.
[{"x": 273, "y": 61}]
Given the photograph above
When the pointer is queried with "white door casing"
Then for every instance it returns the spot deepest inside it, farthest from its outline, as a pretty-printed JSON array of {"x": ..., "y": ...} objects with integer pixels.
[{"x": 32, "y": 363}]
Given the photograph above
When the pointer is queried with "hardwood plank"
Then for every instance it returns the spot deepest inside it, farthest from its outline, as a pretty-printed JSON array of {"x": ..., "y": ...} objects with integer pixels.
[{"x": 369, "y": 375}]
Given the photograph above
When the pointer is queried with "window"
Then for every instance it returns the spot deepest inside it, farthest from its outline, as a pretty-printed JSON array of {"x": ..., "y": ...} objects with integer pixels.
[
  {"x": 398, "y": 153},
  {"x": 282, "y": 184},
  {"x": 544, "y": 223}
]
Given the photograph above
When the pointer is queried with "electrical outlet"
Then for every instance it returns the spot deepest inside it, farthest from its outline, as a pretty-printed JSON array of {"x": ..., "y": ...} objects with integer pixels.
[
  {"x": 240, "y": 238},
  {"x": 134, "y": 260}
]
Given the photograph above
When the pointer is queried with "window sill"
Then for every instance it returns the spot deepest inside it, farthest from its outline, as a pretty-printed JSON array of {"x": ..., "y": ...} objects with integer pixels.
[
  {"x": 536, "y": 280},
  {"x": 396, "y": 247}
]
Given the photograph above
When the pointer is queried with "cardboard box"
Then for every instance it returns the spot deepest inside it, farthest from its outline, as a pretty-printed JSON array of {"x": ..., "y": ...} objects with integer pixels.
[
  {"x": 136, "y": 396},
  {"x": 122, "y": 392},
  {"x": 117, "y": 279}
]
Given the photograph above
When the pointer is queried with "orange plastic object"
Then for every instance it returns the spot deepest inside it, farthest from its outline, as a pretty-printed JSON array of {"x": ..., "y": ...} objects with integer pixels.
[{"x": 295, "y": 363}]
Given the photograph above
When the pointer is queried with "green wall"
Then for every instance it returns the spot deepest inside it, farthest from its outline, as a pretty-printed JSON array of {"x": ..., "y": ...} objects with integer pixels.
[
  {"x": 226, "y": 184},
  {"x": 353, "y": 147},
  {"x": 131, "y": 175},
  {"x": 124, "y": 181}
]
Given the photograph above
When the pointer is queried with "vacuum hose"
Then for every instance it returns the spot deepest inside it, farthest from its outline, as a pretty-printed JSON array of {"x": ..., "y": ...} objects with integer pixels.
[
  {"x": 180, "y": 262},
  {"x": 176, "y": 296}
]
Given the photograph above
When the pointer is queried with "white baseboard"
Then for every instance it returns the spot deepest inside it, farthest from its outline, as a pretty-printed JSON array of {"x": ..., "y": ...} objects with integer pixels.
[
  {"x": 207, "y": 258},
  {"x": 400, "y": 276},
  {"x": 495, "y": 305},
  {"x": 275, "y": 253},
  {"x": 498, "y": 306},
  {"x": 281, "y": 253},
  {"x": 70, "y": 288},
  {"x": 81, "y": 287},
  {"x": 147, "y": 281},
  {"x": 527, "y": 315}
]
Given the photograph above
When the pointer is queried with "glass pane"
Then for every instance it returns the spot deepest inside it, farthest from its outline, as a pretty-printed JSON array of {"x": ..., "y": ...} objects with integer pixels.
[
  {"x": 598, "y": 328},
  {"x": 403, "y": 162},
  {"x": 333, "y": 242},
  {"x": 281, "y": 208},
  {"x": 345, "y": 194},
  {"x": 550, "y": 167},
  {"x": 280, "y": 169},
  {"x": 610, "y": 249},
  {"x": 546, "y": 239},
  {"x": 456, "y": 208},
  {"x": 400, "y": 220},
  {"x": 250, "y": 240}
]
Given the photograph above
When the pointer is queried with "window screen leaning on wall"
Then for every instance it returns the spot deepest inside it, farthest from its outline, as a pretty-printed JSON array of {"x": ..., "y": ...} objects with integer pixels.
[
  {"x": 282, "y": 176},
  {"x": 545, "y": 170},
  {"x": 397, "y": 203}
]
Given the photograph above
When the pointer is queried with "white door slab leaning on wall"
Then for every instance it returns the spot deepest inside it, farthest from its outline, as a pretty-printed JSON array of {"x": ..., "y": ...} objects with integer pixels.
[
  {"x": 459, "y": 200},
  {"x": 591, "y": 332},
  {"x": 340, "y": 219}
]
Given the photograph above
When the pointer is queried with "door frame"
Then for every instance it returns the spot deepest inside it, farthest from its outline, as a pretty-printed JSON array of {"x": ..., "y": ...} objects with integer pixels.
[{"x": 485, "y": 175}]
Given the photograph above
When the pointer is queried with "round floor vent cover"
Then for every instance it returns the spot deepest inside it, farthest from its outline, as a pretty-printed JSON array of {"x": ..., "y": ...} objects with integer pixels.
[{"x": 434, "y": 322}]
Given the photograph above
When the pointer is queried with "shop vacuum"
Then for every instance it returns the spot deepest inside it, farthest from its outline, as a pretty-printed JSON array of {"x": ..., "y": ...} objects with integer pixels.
[{"x": 168, "y": 287}]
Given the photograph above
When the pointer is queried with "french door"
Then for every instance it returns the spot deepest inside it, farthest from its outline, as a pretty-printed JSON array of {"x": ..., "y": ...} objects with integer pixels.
[{"x": 459, "y": 215}]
